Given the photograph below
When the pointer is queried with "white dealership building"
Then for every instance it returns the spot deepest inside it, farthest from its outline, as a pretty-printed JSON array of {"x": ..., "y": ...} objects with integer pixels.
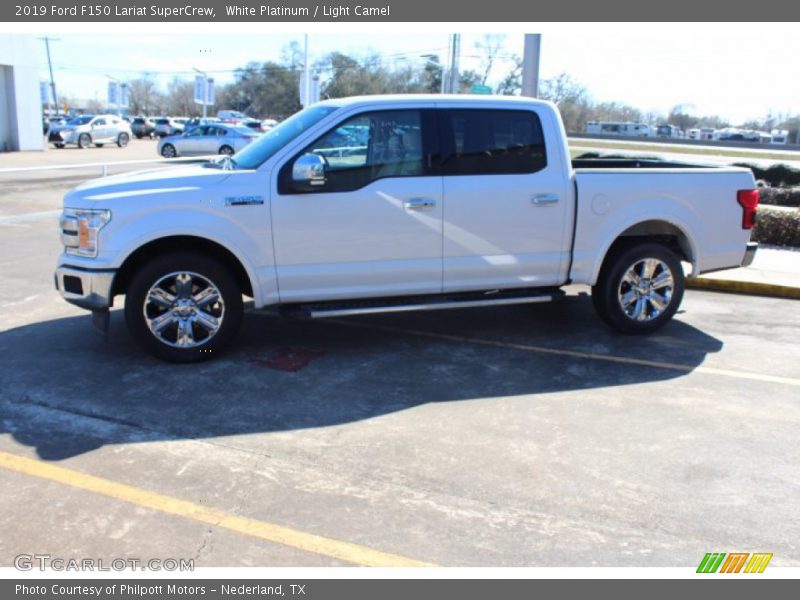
[{"x": 20, "y": 102}]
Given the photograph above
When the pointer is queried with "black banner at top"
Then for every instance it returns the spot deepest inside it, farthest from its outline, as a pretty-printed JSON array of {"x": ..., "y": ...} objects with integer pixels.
[{"x": 395, "y": 11}]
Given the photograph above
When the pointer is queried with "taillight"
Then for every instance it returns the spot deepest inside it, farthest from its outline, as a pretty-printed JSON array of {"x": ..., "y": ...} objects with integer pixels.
[{"x": 748, "y": 200}]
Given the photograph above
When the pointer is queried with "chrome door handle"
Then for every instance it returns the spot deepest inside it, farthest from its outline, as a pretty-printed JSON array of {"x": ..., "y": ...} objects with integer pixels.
[
  {"x": 544, "y": 199},
  {"x": 419, "y": 204}
]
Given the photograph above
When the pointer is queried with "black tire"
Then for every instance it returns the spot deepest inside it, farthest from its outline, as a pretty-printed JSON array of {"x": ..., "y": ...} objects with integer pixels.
[
  {"x": 59, "y": 146},
  {"x": 618, "y": 300},
  {"x": 123, "y": 139},
  {"x": 202, "y": 269},
  {"x": 99, "y": 145},
  {"x": 227, "y": 150},
  {"x": 139, "y": 136},
  {"x": 168, "y": 151},
  {"x": 84, "y": 140}
]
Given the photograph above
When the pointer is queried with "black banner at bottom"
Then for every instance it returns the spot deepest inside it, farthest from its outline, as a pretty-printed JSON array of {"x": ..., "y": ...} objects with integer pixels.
[{"x": 391, "y": 589}]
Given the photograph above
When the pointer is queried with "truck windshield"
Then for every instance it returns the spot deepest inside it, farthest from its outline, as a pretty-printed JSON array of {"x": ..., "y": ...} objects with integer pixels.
[{"x": 252, "y": 156}]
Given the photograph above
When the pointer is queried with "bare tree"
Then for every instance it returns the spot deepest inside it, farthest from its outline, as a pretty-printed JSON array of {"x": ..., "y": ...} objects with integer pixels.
[
  {"x": 511, "y": 84},
  {"x": 489, "y": 48},
  {"x": 144, "y": 97}
]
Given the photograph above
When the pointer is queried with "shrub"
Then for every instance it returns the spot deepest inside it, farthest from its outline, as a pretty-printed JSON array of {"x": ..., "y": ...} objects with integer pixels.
[
  {"x": 779, "y": 196},
  {"x": 774, "y": 176},
  {"x": 777, "y": 226}
]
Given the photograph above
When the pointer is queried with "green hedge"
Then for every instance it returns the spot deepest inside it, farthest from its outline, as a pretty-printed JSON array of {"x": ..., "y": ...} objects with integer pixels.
[
  {"x": 779, "y": 196},
  {"x": 777, "y": 227}
]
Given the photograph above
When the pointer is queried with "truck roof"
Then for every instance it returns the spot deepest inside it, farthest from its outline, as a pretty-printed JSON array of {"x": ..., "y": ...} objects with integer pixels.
[{"x": 449, "y": 98}]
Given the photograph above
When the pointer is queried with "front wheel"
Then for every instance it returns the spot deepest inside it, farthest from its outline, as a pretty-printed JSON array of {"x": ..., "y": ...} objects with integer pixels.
[
  {"x": 226, "y": 150},
  {"x": 184, "y": 307},
  {"x": 123, "y": 139},
  {"x": 168, "y": 151},
  {"x": 639, "y": 288},
  {"x": 84, "y": 141}
]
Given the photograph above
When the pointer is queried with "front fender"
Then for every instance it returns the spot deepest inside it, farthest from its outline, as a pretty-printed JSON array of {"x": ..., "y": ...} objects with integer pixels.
[{"x": 245, "y": 233}]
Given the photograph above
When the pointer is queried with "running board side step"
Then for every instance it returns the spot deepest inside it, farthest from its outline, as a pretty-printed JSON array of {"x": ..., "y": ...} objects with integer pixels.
[{"x": 377, "y": 305}]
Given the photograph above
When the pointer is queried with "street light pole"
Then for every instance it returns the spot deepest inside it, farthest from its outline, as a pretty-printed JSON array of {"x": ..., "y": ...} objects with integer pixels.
[{"x": 306, "y": 76}]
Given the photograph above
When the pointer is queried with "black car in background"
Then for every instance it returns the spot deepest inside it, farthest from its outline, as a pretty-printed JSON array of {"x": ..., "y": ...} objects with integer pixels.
[{"x": 143, "y": 127}]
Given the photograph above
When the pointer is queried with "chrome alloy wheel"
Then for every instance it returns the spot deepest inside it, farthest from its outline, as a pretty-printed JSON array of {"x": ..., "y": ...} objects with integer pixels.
[
  {"x": 184, "y": 309},
  {"x": 645, "y": 290}
]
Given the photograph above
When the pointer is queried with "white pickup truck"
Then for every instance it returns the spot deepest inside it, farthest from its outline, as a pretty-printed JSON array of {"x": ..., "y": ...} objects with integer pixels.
[{"x": 394, "y": 203}]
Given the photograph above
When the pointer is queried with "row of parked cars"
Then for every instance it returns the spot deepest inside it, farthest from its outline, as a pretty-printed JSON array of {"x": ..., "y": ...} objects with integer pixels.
[
  {"x": 226, "y": 133},
  {"x": 166, "y": 126}
]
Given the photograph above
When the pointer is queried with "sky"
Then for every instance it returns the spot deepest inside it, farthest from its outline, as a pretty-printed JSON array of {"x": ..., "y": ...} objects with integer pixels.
[{"x": 737, "y": 72}]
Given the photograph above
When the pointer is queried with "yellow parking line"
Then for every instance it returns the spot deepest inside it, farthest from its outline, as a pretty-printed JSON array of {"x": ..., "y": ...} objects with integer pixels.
[
  {"x": 578, "y": 354},
  {"x": 346, "y": 551}
]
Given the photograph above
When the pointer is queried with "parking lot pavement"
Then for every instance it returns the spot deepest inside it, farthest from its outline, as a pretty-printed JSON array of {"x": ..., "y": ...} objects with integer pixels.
[{"x": 511, "y": 436}]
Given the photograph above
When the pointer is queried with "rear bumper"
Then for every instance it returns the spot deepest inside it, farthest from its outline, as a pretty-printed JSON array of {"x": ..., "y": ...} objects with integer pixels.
[
  {"x": 85, "y": 288},
  {"x": 749, "y": 254}
]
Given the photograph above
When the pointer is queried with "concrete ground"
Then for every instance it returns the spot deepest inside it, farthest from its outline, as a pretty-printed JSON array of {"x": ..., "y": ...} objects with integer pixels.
[{"x": 496, "y": 437}]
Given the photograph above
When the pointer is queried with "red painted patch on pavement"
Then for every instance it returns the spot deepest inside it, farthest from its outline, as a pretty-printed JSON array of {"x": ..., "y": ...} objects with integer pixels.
[{"x": 290, "y": 359}]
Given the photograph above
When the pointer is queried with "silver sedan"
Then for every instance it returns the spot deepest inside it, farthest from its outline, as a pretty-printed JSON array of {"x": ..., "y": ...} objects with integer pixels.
[{"x": 207, "y": 139}]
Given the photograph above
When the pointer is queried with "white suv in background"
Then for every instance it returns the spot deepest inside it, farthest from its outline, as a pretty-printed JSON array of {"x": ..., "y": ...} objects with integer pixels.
[{"x": 85, "y": 130}]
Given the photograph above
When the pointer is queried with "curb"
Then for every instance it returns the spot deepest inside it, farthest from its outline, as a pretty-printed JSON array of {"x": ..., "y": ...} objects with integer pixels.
[{"x": 754, "y": 288}]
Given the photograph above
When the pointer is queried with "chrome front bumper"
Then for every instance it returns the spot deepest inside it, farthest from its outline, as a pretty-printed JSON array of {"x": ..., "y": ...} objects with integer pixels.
[{"x": 84, "y": 288}]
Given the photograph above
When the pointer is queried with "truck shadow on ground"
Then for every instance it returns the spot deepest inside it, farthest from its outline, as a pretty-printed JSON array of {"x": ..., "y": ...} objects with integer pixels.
[{"x": 64, "y": 391}]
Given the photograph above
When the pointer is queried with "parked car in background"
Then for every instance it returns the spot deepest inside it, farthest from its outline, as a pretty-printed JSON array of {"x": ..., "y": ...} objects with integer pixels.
[
  {"x": 253, "y": 124},
  {"x": 268, "y": 124},
  {"x": 207, "y": 139},
  {"x": 53, "y": 120},
  {"x": 232, "y": 116},
  {"x": 170, "y": 126},
  {"x": 197, "y": 121},
  {"x": 143, "y": 127},
  {"x": 85, "y": 130}
]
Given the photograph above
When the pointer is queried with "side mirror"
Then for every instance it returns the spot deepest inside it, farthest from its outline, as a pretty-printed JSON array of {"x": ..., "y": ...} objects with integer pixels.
[{"x": 308, "y": 173}]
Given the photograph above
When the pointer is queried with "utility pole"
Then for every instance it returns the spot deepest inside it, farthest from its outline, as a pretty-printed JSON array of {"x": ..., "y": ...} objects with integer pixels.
[
  {"x": 530, "y": 65},
  {"x": 306, "y": 99},
  {"x": 47, "y": 41},
  {"x": 454, "y": 59},
  {"x": 445, "y": 83}
]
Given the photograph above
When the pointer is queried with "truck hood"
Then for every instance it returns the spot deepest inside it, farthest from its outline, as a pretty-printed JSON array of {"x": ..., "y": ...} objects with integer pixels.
[{"x": 143, "y": 183}]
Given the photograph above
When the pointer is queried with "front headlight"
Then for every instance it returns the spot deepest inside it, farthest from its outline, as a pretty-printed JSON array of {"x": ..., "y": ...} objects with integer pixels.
[{"x": 80, "y": 230}]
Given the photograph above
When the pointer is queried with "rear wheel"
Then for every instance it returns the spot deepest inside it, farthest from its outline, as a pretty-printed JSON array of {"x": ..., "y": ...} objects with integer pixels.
[
  {"x": 639, "y": 288},
  {"x": 183, "y": 307},
  {"x": 227, "y": 150}
]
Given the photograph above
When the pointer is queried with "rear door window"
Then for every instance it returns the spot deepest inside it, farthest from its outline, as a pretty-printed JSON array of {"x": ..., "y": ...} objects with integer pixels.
[{"x": 491, "y": 142}]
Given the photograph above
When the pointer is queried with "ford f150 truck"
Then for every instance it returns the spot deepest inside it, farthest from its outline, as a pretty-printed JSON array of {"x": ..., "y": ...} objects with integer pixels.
[{"x": 393, "y": 203}]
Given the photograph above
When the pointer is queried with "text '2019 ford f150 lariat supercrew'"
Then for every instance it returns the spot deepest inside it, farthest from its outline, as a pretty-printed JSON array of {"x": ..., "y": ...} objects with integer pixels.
[{"x": 386, "y": 203}]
